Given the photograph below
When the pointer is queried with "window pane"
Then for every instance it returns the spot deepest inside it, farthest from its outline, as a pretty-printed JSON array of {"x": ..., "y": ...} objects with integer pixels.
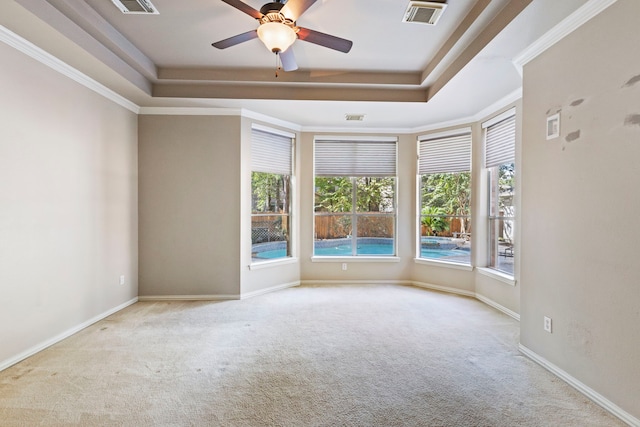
[
  {"x": 375, "y": 194},
  {"x": 375, "y": 234},
  {"x": 445, "y": 206},
  {"x": 333, "y": 194},
  {"x": 270, "y": 192},
  {"x": 339, "y": 231},
  {"x": 333, "y": 235},
  {"x": 501, "y": 217},
  {"x": 501, "y": 250},
  {"x": 270, "y": 220}
]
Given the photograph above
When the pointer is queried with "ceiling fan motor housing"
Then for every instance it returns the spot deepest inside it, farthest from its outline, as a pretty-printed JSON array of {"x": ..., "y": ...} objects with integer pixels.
[{"x": 273, "y": 7}]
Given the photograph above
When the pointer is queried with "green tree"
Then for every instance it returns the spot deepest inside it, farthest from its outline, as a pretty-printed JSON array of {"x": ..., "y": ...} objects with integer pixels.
[
  {"x": 449, "y": 192},
  {"x": 270, "y": 192},
  {"x": 335, "y": 194},
  {"x": 434, "y": 219}
]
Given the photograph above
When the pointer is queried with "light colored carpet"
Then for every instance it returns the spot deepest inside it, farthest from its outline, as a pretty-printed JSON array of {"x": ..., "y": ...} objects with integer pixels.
[{"x": 308, "y": 356}]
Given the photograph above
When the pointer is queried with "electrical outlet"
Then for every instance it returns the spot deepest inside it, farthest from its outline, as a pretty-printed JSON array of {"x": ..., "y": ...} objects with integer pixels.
[
  {"x": 122, "y": 279},
  {"x": 547, "y": 324},
  {"x": 344, "y": 266}
]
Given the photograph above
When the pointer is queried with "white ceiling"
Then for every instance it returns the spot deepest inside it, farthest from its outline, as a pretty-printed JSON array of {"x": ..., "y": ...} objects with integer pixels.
[{"x": 400, "y": 75}]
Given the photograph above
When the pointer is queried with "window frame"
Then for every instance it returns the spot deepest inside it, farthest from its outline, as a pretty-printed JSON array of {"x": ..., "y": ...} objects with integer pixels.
[
  {"x": 497, "y": 156},
  {"x": 451, "y": 159},
  {"x": 354, "y": 213},
  {"x": 290, "y": 248}
]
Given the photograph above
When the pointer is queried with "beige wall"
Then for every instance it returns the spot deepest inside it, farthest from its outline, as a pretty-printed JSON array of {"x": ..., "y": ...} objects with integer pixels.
[
  {"x": 580, "y": 205},
  {"x": 189, "y": 205},
  {"x": 68, "y": 204}
]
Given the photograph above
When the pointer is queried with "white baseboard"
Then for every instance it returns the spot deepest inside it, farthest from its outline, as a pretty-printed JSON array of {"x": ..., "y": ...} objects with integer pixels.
[
  {"x": 444, "y": 289},
  {"x": 354, "y": 282},
  {"x": 581, "y": 387},
  {"x": 155, "y": 298},
  {"x": 246, "y": 295},
  {"x": 498, "y": 307},
  {"x": 66, "y": 334}
]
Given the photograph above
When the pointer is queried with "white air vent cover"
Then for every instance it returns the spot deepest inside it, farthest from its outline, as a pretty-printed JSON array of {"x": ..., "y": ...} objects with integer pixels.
[
  {"x": 423, "y": 12},
  {"x": 135, "y": 6}
]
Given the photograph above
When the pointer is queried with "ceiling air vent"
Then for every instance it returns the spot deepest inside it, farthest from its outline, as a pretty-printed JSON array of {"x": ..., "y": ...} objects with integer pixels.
[
  {"x": 135, "y": 6},
  {"x": 423, "y": 12}
]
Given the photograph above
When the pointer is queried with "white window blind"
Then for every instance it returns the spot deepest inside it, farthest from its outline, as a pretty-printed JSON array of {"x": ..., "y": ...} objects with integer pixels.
[
  {"x": 270, "y": 152},
  {"x": 451, "y": 153},
  {"x": 355, "y": 158},
  {"x": 501, "y": 142}
]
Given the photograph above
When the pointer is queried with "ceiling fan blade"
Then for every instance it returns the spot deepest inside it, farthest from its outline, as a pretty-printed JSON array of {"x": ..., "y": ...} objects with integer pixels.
[
  {"x": 288, "y": 60},
  {"x": 294, "y": 8},
  {"x": 244, "y": 8},
  {"x": 326, "y": 40},
  {"x": 232, "y": 41}
]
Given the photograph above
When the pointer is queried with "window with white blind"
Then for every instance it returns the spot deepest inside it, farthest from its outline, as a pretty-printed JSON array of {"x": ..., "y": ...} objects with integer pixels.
[
  {"x": 444, "y": 176},
  {"x": 271, "y": 171},
  {"x": 500, "y": 140},
  {"x": 355, "y": 197}
]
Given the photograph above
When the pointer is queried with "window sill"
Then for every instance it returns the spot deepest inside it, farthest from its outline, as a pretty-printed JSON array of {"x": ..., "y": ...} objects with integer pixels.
[
  {"x": 499, "y": 276},
  {"x": 355, "y": 259},
  {"x": 444, "y": 264},
  {"x": 275, "y": 263}
]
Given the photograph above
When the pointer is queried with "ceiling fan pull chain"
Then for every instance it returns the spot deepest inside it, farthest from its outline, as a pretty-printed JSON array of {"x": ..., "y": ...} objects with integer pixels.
[{"x": 277, "y": 63}]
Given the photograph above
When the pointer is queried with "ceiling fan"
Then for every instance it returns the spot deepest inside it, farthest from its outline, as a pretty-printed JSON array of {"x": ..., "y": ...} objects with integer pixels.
[{"x": 278, "y": 30}]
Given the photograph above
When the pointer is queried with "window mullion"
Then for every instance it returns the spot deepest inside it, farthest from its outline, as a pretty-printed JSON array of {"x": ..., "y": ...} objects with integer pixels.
[{"x": 354, "y": 218}]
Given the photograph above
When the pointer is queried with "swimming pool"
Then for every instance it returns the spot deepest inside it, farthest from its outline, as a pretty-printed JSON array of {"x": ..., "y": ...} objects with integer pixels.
[{"x": 371, "y": 246}]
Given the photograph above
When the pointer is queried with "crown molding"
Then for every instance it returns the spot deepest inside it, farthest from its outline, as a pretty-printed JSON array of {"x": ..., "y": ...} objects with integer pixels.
[
  {"x": 14, "y": 40},
  {"x": 485, "y": 112},
  {"x": 560, "y": 31},
  {"x": 206, "y": 111},
  {"x": 190, "y": 111},
  {"x": 271, "y": 120}
]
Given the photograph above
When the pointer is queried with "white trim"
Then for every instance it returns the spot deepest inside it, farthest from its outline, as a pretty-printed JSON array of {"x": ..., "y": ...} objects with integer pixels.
[
  {"x": 581, "y": 387},
  {"x": 14, "y": 40},
  {"x": 274, "y": 131},
  {"x": 354, "y": 138},
  {"x": 561, "y": 30},
  {"x": 445, "y": 264},
  {"x": 252, "y": 294},
  {"x": 271, "y": 120},
  {"x": 498, "y": 275},
  {"x": 214, "y": 111},
  {"x": 498, "y": 307},
  {"x": 347, "y": 259},
  {"x": 499, "y": 105},
  {"x": 355, "y": 282},
  {"x": 66, "y": 334},
  {"x": 500, "y": 117},
  {"x": 444, "y": 134},
  {"x": 272, "y": 263},
  {"x": 446, "y": 289},
  {"x": 154, "y": 298},
  {"x": 359, "y": 130},
  {"x": 190, "y": 111},
  {"x": 496, "y": 106}
]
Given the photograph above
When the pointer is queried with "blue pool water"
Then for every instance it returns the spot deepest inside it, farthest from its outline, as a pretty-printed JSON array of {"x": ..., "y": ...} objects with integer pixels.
[{"x": 366, "y": 249}]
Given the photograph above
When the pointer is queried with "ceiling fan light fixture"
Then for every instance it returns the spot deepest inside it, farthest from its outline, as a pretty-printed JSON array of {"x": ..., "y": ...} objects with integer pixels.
[{"x": 277, "y": 37}]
